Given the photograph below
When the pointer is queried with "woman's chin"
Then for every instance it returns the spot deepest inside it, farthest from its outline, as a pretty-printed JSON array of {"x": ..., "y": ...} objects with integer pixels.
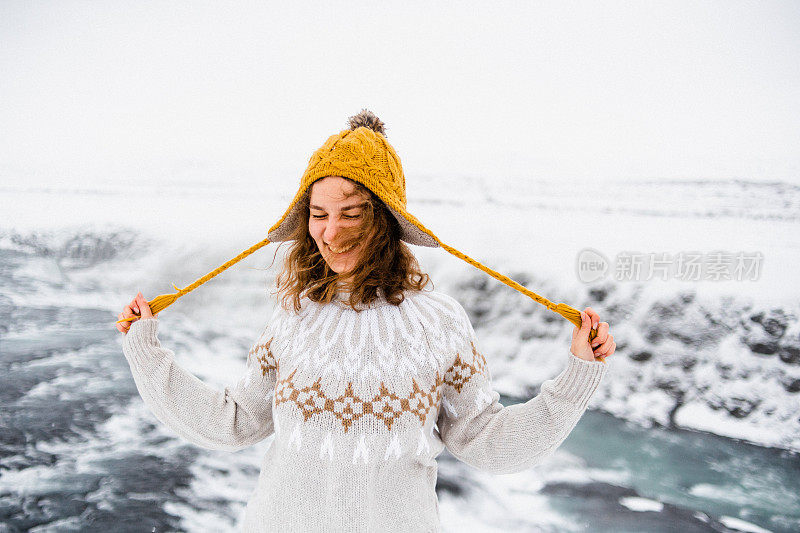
[
  {"x": 340, "y": 267},
  {"x": 343, "y": 262}
]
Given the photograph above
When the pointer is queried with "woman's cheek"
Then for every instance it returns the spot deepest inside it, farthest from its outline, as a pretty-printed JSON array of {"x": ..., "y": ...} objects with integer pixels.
[{"x": 314, "y": 230}]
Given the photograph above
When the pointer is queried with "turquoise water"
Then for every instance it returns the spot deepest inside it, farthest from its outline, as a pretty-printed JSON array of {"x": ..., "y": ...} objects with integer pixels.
[{"x": 690, "y": 472}]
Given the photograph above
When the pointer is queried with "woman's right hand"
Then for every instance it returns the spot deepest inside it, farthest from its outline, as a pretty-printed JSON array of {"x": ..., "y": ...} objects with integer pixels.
[{"x": 139, "y": 303}]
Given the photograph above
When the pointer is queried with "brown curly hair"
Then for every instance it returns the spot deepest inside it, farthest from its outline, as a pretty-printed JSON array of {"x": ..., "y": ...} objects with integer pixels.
[{"x": 386, "y": 262}]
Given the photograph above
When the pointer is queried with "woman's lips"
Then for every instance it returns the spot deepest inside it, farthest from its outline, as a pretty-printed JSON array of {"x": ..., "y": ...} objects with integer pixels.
[{"x": 339, "y": 251}]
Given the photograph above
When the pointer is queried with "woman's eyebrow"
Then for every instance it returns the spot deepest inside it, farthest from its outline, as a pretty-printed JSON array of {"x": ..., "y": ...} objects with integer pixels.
[{"x": 348, "y": 208}]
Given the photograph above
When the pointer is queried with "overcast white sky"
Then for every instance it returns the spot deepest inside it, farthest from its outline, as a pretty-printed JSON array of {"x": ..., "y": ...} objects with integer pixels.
[{"x": 246, "y": 91}]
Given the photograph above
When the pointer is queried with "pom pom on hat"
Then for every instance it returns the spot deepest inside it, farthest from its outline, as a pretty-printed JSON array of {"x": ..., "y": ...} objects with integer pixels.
[{"x": 367, "y": 119}]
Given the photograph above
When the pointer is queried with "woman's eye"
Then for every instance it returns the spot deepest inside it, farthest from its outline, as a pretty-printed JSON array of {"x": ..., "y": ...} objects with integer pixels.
[{"x": 346, "y": 217}]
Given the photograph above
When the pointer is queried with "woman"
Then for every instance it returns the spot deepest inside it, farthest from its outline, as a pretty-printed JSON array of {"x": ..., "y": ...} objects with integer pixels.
[{"x": 362, "y": 374}]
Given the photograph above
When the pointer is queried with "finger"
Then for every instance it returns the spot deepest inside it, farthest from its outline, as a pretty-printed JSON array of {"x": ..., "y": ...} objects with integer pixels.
[
  {"x": 601, "y": 350},
  {"x": 612, "y": 350},
  {"x": 605, "y": 347},
  {"x": 594, "y": 316},
  {"x": 134, "y": 305},
  {"x": 144, "y": 307},
  {"x": 586, "y": 320},
  {"x": 602, "y": 334},
  {"x": 608, "y": 342},
  {"x": 123, "y": 326},
  {"x": 601, "y": 355},
  {"x": 129, "y": 313},
  {"x": 132, "y": 309},
  {"x": 583, "y": 332}
]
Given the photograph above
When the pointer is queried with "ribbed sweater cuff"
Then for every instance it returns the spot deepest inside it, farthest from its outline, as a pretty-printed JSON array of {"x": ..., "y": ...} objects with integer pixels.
[
  {"x": 141, "y": 336},
  {"x": 579, "y": 380}
]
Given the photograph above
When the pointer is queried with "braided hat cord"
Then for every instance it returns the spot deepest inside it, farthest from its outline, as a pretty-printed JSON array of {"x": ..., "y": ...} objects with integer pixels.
[
  {"x": 161, "y": 302},
  {"x": 362, "y": 154}
]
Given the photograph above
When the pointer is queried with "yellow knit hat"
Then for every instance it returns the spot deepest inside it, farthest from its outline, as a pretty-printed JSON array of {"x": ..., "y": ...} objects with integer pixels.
[{"x": 362, "y": 154}]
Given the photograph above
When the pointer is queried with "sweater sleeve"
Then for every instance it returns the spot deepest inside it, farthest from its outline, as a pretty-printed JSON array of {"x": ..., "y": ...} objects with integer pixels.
[
  {"x": 230, "y": 419},
  {"x": 480, "y": 431}
]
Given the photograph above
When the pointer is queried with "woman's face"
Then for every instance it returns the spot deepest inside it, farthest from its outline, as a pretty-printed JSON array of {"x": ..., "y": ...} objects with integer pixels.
[{"x": 336, "y": 206}]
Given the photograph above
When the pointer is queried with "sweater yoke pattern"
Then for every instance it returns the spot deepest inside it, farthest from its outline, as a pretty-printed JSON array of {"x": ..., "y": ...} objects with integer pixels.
[
  {"x": 387, "y": 406},
  {"x": 334, "y": 352}
]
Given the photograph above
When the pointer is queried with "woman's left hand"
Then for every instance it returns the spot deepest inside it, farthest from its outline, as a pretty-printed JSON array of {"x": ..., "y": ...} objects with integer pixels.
[{"x": 600, "y": 347}]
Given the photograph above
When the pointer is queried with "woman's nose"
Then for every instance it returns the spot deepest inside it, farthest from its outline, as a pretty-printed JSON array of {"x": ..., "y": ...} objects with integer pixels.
[{"x": 331, "y": 230}]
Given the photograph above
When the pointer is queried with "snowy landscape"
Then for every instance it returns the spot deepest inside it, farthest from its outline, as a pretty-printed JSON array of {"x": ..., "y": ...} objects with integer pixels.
[
  {"x": 714, "y": 357},
  {"x": 638, "y": 158}
]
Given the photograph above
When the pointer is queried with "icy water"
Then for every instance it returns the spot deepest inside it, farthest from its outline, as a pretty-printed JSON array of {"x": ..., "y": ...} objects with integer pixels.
[
  {"x": 80, "y": 452},
  {"x": 698, "y": 477}
]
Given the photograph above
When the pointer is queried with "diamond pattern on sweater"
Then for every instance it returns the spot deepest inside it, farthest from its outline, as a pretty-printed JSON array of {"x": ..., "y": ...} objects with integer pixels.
[
  {"x": 460, "y": 371},
  {"x": 478, "y": 359},
  {"x": 385, "y": 406},
  {"x": 349, "y": 407},
  {"x": 421, "y": 402},
  {"x": 264, "y": 356}
]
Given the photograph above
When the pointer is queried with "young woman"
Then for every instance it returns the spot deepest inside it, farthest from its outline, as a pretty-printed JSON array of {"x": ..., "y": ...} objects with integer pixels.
[{"x": 362, "y": 374}]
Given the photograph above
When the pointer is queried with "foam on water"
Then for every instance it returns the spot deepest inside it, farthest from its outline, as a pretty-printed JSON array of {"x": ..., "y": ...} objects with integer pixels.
[
  {"x": 737, "y": 524},
  {"x": 641, "y": 504}
]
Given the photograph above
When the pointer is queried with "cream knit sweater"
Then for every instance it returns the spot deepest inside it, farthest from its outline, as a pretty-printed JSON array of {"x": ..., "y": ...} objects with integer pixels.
[{"x": 360, "y": 403}]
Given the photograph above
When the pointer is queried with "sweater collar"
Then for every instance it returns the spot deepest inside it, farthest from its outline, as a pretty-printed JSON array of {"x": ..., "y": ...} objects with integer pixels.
[{"x": 342, "y": 297}]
